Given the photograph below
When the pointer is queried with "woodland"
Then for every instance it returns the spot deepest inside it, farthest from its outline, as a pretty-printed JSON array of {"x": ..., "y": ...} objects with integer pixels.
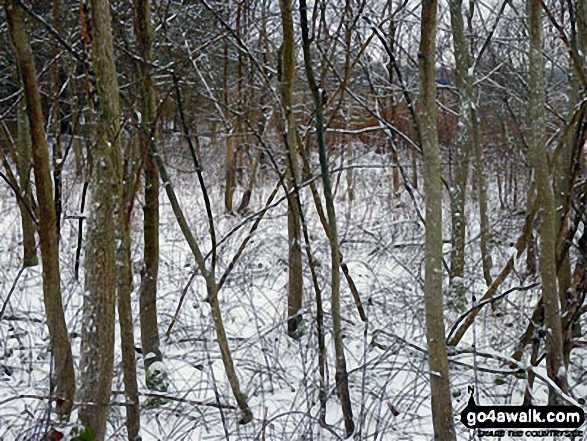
[{"x": 289, "y": 219}]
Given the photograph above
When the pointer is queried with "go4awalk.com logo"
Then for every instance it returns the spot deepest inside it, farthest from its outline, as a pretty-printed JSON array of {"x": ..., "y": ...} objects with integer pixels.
[{"x": 523, "y": 421}]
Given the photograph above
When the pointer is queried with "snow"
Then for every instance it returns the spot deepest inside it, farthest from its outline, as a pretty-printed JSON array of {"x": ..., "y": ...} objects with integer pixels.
[
  {"x": 512, "y": 252},
  {"x": 204, "y": 307},
  {"x": 382, "y": 243},
  {"x": 157, "y": 367}
]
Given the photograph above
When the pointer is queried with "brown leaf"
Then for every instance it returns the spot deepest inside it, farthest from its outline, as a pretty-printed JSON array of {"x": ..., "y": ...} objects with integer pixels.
[{"x": 54, "y": 435}]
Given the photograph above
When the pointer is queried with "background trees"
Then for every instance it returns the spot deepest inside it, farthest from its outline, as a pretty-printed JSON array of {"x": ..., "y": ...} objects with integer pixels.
[{"x": 210, "y": 167}]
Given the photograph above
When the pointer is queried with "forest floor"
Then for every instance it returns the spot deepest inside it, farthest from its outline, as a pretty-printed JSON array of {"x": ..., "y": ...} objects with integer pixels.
[{"x": 383, "y": 245}]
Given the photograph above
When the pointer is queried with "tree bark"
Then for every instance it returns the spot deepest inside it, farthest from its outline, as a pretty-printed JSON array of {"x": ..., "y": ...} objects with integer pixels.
[
  {"x": 97, "y": 346},
  {"x": 479, "y": 167},
  {"x": 563, "y": 166},
  {"x": 23, "y": 167},
  {"x": 459, "y": 186},
  {"x": 435, "y": 333},
  {"x": 230, "y": 167},
  {"x": 127, "y": 342},
  {"x": 295, "y": 282},
  {"x": 56, "y": 120},
  {"x": 539, "y": 160},
  {"x": 230, "y": 171},
  {"x": 48, "y": 241},
  {"x": 391, "y": 103},
  {"x": 149, "y": 276}
]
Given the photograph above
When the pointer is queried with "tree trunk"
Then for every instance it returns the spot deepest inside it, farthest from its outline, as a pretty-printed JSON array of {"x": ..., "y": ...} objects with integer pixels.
[
  {"x": 127, "y": 343},
  {"x": 544, "y": 192},
  {"x": 531, "y": 251},
  {"x": 295, "y": 285},
  {"x": 56, "y": 120},
  {"x": 442, "y": 417},
  {"x": 562, "y": 170},
  {"x": 230, "y": 169},
  {"x": 97, "y": 346},
  {"x": 212, "y": 288},
  {"x": 48, "y": 241},
  {"x": 459, "y": 186},
  {"x": 150, "y": 271},
  {"x": 563, "y": 166},
  {"x": 341, "y": 370},
  {"x": 23, "y": 167},
  {"x": 391, "y": 103},
  {"x": 414, "y": 169},
  {"x": 482, "y": 197}
]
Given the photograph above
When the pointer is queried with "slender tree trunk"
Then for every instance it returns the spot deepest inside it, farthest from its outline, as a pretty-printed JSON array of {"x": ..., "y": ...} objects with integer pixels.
[
  {"x": 60, "y": 346},
  {"x": 414, "y": 169},
  {"x": 341, "y": 370},
  {"x": 391, "y": 103},
  {"x": 482, "y": 197},
  {"x": 246, "y": 199},
  {"x": 563, "y": 166},
  {"x": 347, "y": 146},
  {"x": 563, "y": 169},
  {"x": 97, "y": 346},
  {"x": 295, "y": 285},
  {"x": 23, "y": 167},
  {"x": 127, "y": 167},
  {"x": 521, "y": 245},
  {"x": 124, "y": 289},
  {"x": 230, "y": 172},
  {"x": 261, "y": 125},
  {"x": 576, "y": 332},
  {"x": 242, "y": 98},
  {"x": 528, "y": 393},
  {"x": 442, "y": 417},
  {"x": 56, "y": 120},
  {"x": 211, "y": 286},
  {"x": 307, "y": 176},
  {"x": 539, "y": 160},
  {"x": 150, "y": 271},
  {"x": 582, "y": 26},
  {"x": 459, "y": 186},
  {"x": 478, "y": 164},
  {"x": 531, "y": 251}
]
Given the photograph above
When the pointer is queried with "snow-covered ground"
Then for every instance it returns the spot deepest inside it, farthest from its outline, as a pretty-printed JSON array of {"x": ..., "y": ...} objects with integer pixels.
[{"x": 382, "y": 243}]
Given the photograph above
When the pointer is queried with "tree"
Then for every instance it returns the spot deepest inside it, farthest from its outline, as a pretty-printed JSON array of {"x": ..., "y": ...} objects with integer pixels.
[
  {"x": 468, "y": 138},
  {"x": 459, "y": 189},
  {"x": 342, "y": 380},
  {"x": 23, "y": 161},
  {"x": 563, "y": 167},
  {"x": 295, "y": 286},
  {"x": 435, "y": 332},
  {"x": 97, "y": 347},
  {"x": 212, "y": 288},
  {"x": 148, "y": 294},
  {"x": 537, "y": 155},
  {"x": 48, "y": 241}
]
